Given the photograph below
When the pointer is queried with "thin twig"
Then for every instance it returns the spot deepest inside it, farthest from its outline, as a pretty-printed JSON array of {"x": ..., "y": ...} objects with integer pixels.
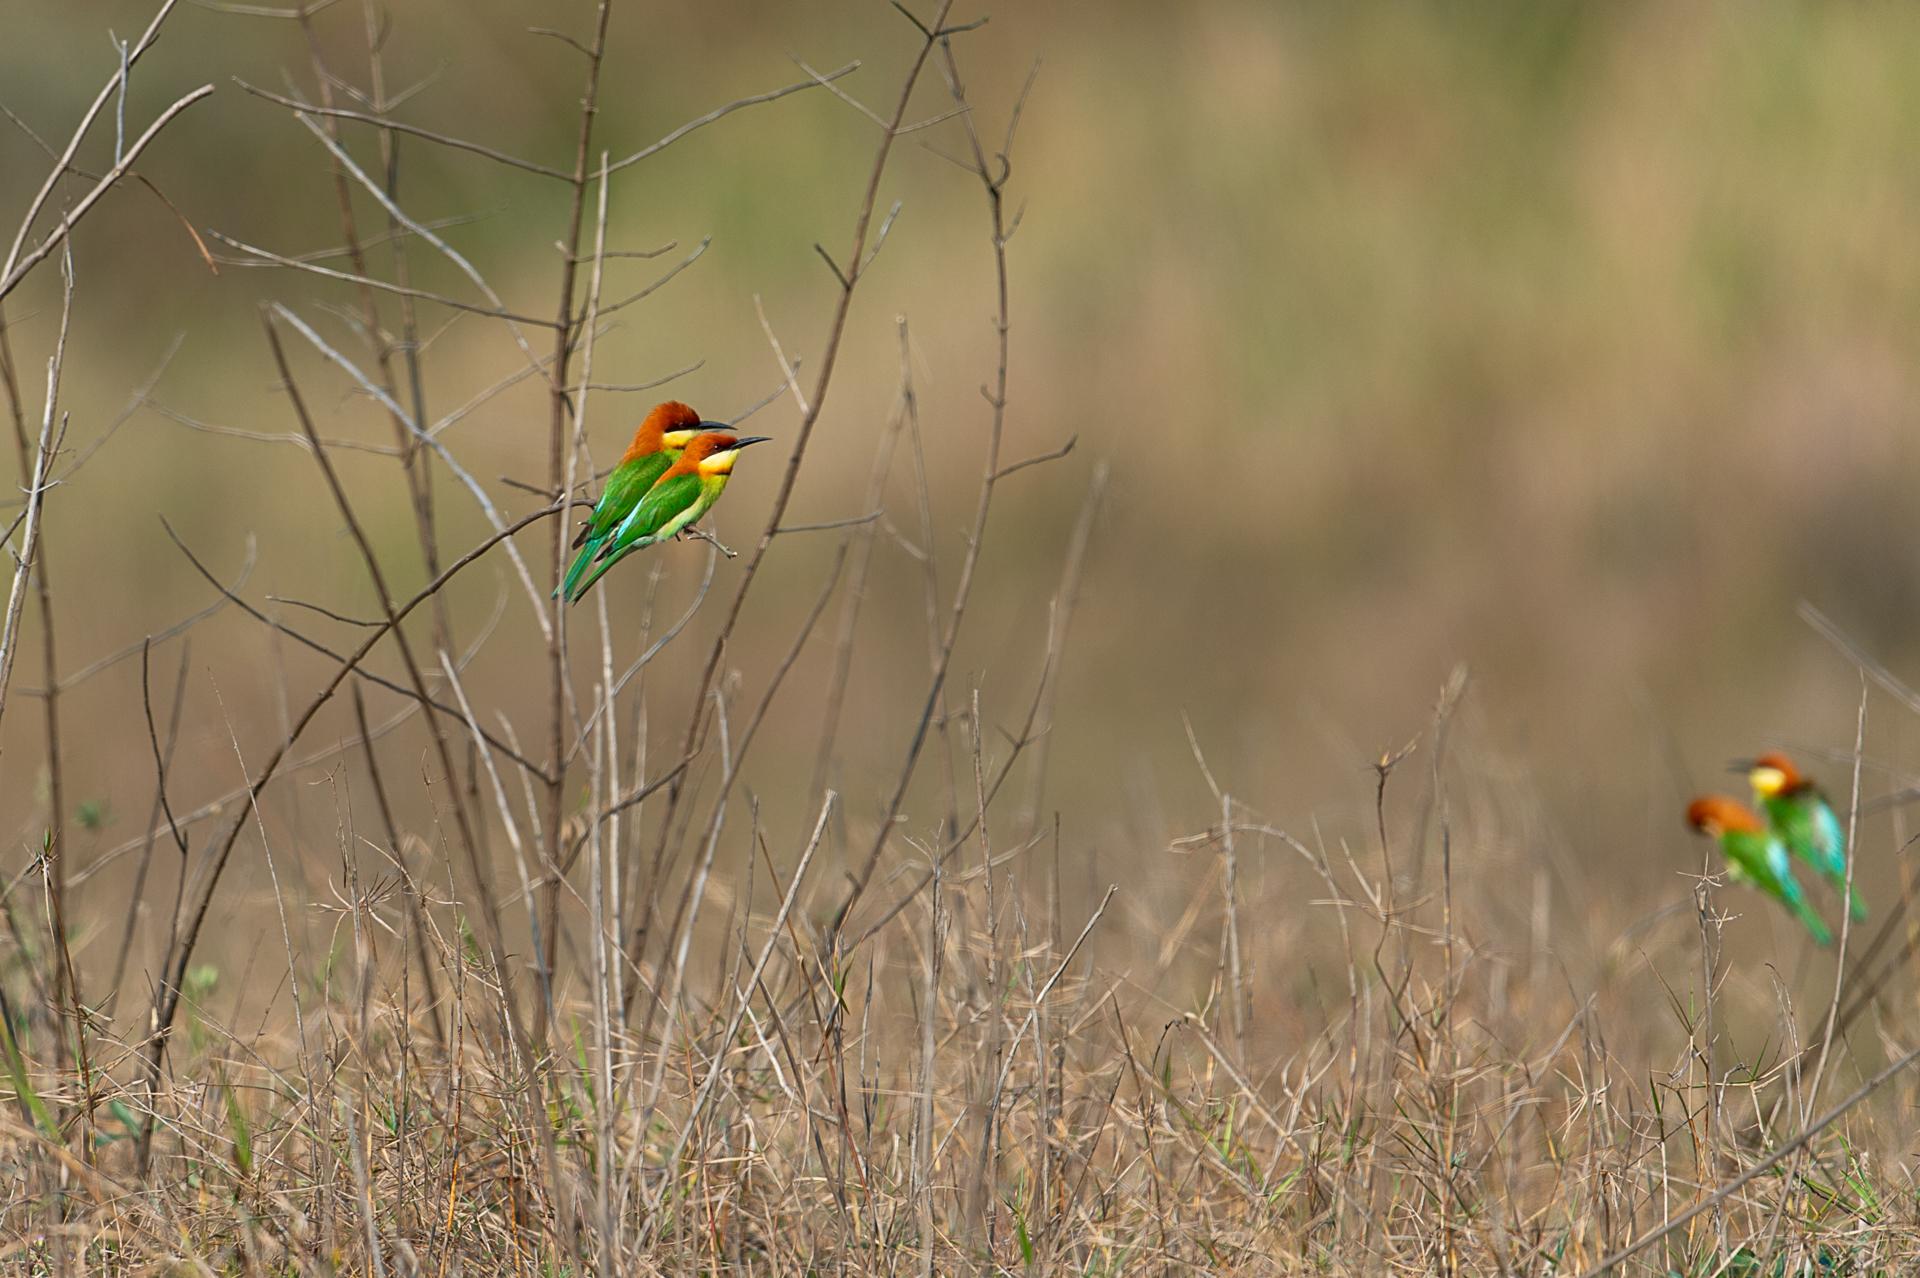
[
  {"x": 810, "y": 417},
  {"x": 412, "y": 130},
  {"x": 721, "y": 112},
  {"x": 1760, "y": 1168},
  {"x": 19, "y": 264}
]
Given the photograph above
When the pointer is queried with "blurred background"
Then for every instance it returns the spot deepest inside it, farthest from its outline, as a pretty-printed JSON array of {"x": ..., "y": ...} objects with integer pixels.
[{"x": 1576, "y": 344}]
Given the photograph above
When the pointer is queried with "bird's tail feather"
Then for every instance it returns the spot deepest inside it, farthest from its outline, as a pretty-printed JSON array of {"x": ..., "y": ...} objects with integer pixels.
[
  {"x": 600, "y": 569},
  {"x": 575, "y": 571},
  {"x": 1813, "y": 922}
]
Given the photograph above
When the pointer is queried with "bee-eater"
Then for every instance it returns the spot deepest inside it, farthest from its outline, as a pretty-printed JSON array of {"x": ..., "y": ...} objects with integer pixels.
[
  {"x": 685, "y": 492},
  {"x": 1754, "y": 855},
  {"x": 656, "y": 446},
  {"x": 1800, "y": 814}
]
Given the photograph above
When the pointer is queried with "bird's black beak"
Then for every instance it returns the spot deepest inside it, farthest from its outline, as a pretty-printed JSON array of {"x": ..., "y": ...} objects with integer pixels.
[
  {"x": 744, "y": 440},
  {"x": 1740, "y": 767},
  {"x": 703, "y": 427}
]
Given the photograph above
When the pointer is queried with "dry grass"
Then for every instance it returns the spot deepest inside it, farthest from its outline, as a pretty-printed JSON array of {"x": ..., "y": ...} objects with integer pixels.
[
  {"x": 526, "y": 977},
  {"x": 963, "y": 1088}
]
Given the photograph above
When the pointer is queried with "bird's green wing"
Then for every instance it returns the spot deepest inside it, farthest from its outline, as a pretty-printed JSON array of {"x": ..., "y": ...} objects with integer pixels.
[
  {"x": 663, "y": 504},
  {"x": 666, "y": 507},
  {"x": 627, "y": 484},
  {"x": 1806, "y": 823},
  {"x": 1762, "y": 860}
]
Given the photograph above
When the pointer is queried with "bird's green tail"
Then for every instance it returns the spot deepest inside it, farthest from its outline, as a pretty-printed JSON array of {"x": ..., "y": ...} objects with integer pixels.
[
  {"x": 1859, "y": 907},
  {"x": 1814, "y": 924},
  {"x": 576, "y": 593},
  {"x": 575, "y": 571}
]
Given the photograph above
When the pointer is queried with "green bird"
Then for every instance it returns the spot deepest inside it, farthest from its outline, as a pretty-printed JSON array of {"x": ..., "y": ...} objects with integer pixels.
[
  {"x": 1754, "y": 855},
  {"x": 656, "y": 446},
  {"x": 1800, "y": 814},
  {"x": 685, "y": 492}
]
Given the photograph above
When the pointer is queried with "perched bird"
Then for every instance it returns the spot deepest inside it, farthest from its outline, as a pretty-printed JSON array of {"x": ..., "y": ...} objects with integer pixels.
[
  {"x": 1754, "y": 855},
  {"x": 685, "y": 492},
  {"x": 656, "y": 446},
  {"x": 1800, "y": 814}
]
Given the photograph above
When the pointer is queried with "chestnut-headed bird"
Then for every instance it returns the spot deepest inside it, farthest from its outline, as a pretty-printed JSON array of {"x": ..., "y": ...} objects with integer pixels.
[
  {"x": 1800, "y": 814},
  {"x": 656, "y": 446},
  {"x": 685, "y": 492},
  {"x": 1754, "y": 855}
]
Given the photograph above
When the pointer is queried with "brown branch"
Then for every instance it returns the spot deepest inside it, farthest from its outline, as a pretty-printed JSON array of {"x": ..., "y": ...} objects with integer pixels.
[
  {"x": 861, "y": 546},
  {"x": 178, "y": 628},
  {"x": 994, "y": 188},
  {"x": 412, "y": 130},
  {"x": 19, "y": 265},
  {"x": 722, "y": 112},
  {"x": 229, "y": 595},
  {"x": 36, "y": 471},
  {"x": 220, "y": 846},
  {"x": 115, "y": 84},
  {"x": 164, "y": 763},
  {"x": 810, "y": 418},
  {"x": 416, "y": 905},
  {"x": 269, "y": 258},
  {"x": 1054, "y": 455},
  {"x": 650, "y": 289},
  {"x": 219, "y": 804}
]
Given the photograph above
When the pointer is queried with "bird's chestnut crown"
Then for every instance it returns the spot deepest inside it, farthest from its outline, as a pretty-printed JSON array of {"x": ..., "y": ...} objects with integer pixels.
[
  {"x": 669, "y": 425},
  {"x": 1715, "y": 814}
]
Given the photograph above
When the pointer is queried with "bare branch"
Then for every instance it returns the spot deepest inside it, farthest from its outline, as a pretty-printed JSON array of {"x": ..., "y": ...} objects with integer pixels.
[
  {"x": 624, "y": 388},
  {"x": 18, "y": 265},
  {"x": 1054, "y": 455},
  {"x": 880, "y": 237},
  {"x": 790, "y": 379},
  {"x": 832, "y": 265},
  {"x": 826, "y": 82},
  {"x": 36, "y": 494},
  {"x": 563, "y": 37},
  {"x": 996, "y": 427},
  {"x": 446, "y": 250},
  {"x": 810, "y": 415},
  {"x": 159, "y": 755},
  {"x": 300, "y": 13},
  {"x": 167, "y": 997},
  {"x": 852, "y": 522},
  {"x": 328, "y": 613},
  {"x": 270, "y": 258},
  {"x": 654, "y": 287},
  {"x": 231, "y": 595},
  {"x": 64, "y": 164},
  {"x": 412, "y": 130},
  {"x": 180, "y": 627},
  {"x": 721, "y": 112},
  {"x": 401, "y": 415},
  {"x": 294, "y": 438},
  {"x": 217, "y": 806}
]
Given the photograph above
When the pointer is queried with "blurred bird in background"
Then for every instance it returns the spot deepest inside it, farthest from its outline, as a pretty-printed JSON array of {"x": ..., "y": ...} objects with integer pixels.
[
  {"x": 1755, "y": 855},
  {"x": 1802, "y": 818}
]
